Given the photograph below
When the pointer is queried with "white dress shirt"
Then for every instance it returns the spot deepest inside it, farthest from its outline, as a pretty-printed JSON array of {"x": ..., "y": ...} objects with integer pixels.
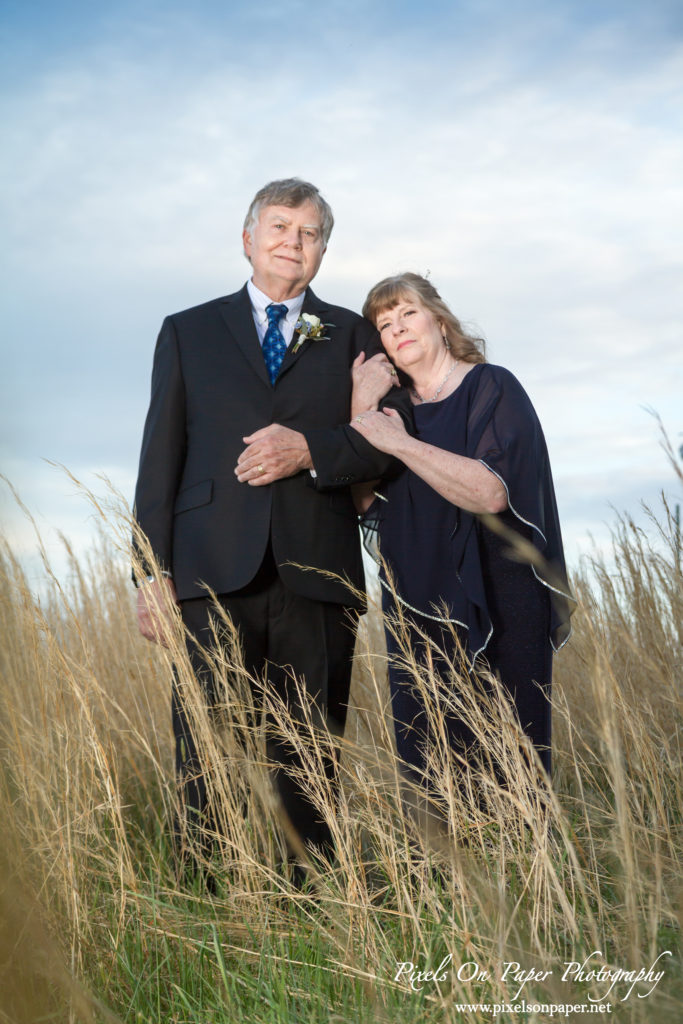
[{"x": 259, "y": 301}]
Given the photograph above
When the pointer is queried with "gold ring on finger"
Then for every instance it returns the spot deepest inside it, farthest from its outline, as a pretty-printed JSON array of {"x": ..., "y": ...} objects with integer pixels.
[
  {"x": 260, "y": 468},
  {"x": 359, "y": 419}
]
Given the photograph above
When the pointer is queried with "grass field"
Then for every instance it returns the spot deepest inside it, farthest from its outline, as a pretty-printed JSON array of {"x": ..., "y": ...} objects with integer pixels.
[{"x": 94, "y": 927}]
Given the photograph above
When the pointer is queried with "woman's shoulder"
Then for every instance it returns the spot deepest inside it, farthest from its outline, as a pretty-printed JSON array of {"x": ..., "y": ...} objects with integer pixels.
[
  {"x": 492, "y": 371},
  {"x": 499, "y": 376},
  {"x": 489, "y": 375},
  {"x": 495, "y": 386}
]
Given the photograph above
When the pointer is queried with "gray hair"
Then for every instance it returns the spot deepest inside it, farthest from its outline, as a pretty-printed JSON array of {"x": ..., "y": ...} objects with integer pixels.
[{"x": 290, "y": 192}]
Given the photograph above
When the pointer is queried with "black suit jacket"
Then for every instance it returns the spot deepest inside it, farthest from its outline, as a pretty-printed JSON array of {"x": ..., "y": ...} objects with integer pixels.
[{"x": 210, "y": 388}]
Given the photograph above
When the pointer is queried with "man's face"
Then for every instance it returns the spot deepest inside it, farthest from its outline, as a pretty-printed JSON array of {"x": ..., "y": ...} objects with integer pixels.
[{"x": 286, "y": 248}]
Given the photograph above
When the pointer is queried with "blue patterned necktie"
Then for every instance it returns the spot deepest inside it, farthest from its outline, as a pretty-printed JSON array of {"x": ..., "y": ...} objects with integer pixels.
[{"x": 274, "y": 346}]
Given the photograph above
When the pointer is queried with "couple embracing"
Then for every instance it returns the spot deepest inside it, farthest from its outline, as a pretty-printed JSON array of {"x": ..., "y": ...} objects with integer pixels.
[{"x": 274, "y": 417}]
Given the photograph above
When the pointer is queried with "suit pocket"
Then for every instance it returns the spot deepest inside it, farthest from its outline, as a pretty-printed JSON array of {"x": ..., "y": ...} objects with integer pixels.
[{"x": 194, "y": 496}]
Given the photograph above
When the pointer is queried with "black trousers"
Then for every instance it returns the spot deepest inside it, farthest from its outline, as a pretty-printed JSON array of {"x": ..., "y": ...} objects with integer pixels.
[{"x": 283, "y": 635}]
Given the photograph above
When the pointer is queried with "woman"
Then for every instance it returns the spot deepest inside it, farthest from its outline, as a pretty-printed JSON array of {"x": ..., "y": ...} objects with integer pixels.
[{"x": 478, "y": 456}]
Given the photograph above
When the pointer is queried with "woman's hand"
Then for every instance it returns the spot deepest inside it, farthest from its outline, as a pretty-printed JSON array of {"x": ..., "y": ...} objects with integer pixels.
[
  {"x": 372, "y": 380},
  {"x": 463, "y": 481},
  {"x": 385, "y": 430}
]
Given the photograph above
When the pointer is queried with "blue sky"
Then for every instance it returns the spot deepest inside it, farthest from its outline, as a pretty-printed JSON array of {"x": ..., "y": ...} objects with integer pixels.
[{"x": 527, "y": 154}]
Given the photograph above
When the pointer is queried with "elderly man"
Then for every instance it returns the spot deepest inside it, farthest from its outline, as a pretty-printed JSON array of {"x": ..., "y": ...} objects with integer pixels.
[{"x": 245, "y": 470}]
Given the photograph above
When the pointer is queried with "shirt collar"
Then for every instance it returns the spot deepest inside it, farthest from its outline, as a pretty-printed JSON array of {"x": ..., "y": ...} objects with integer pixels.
[{"x": 259, "y": 301}]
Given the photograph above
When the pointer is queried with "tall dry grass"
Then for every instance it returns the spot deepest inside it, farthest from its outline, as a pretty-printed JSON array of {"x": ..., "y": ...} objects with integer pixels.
[{"x": 495, "y": 867}]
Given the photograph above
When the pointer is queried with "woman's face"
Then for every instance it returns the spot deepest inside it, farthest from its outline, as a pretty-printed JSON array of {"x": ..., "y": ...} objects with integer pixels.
[{"x": 410, "y": 333}]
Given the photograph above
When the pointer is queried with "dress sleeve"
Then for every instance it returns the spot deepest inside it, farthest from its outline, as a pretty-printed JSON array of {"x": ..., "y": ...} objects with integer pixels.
[{"x": 505, "y": 435}]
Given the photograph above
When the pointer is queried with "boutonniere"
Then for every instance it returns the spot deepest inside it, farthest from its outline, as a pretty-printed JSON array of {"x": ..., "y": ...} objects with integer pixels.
[{"x": 309, "y": 326}]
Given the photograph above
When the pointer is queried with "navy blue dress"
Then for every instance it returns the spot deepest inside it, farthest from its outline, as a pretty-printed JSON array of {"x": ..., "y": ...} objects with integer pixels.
[{"x": 451, "y": 572}]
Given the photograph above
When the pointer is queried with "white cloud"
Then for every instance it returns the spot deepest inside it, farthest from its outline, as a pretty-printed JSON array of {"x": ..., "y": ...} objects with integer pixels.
[{"x": 539, "y": 184}]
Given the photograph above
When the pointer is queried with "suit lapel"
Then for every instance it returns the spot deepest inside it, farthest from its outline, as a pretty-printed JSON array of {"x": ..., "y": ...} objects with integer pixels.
[
  {"x": 239, "y": 318},
  {"x": 312, "y": 304}
]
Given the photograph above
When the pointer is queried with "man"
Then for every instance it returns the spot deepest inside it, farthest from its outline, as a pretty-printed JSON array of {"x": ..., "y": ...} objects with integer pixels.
[{"x": 246, "y": 464}]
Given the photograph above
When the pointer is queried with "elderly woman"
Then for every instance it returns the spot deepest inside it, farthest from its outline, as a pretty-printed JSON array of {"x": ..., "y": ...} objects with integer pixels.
[{"x": 479, "y": 448}]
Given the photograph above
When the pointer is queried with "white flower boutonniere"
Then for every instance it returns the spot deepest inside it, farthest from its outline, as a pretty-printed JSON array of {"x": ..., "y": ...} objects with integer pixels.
[{"x": 309, "y": 326}]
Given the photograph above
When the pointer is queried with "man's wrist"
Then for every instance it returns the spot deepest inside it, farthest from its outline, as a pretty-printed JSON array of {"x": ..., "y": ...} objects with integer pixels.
[{"x": 306, "y": 460}]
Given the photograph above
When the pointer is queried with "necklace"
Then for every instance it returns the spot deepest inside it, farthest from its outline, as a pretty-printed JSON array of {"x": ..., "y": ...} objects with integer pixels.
[{"x": 438, "y": 391}]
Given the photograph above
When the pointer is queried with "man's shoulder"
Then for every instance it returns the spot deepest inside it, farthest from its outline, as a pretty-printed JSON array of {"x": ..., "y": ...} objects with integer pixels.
[
  {"x": 203, "y": 309},
  {"x": 331, "y": 313}
]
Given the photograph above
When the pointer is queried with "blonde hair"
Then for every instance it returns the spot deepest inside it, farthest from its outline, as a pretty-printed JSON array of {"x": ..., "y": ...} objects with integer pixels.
[{"x": 407, "y": 287}]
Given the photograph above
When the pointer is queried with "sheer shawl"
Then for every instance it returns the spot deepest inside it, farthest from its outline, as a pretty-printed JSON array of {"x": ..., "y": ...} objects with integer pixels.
[{"x": 431, "y": 547}]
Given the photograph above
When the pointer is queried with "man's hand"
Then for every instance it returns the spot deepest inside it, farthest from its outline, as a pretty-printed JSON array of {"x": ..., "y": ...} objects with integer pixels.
[
  {"x": 372, "y": 379},
  {"x": 272, "y": 453},
  {"x": 156, "y": 612}
]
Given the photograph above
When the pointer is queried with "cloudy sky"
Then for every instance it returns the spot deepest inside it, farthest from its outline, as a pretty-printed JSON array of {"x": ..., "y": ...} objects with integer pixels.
[{"x": 528, "y": 154}]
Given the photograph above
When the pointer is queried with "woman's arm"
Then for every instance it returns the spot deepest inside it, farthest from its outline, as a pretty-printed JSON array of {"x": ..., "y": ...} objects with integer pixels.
[
  {"x": 462, "y": 481},
  {"x": 372, "y": 380}
]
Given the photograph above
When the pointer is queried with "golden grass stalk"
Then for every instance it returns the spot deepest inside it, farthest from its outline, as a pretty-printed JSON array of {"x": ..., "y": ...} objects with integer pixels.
[{"x": 493, "y": 866}]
